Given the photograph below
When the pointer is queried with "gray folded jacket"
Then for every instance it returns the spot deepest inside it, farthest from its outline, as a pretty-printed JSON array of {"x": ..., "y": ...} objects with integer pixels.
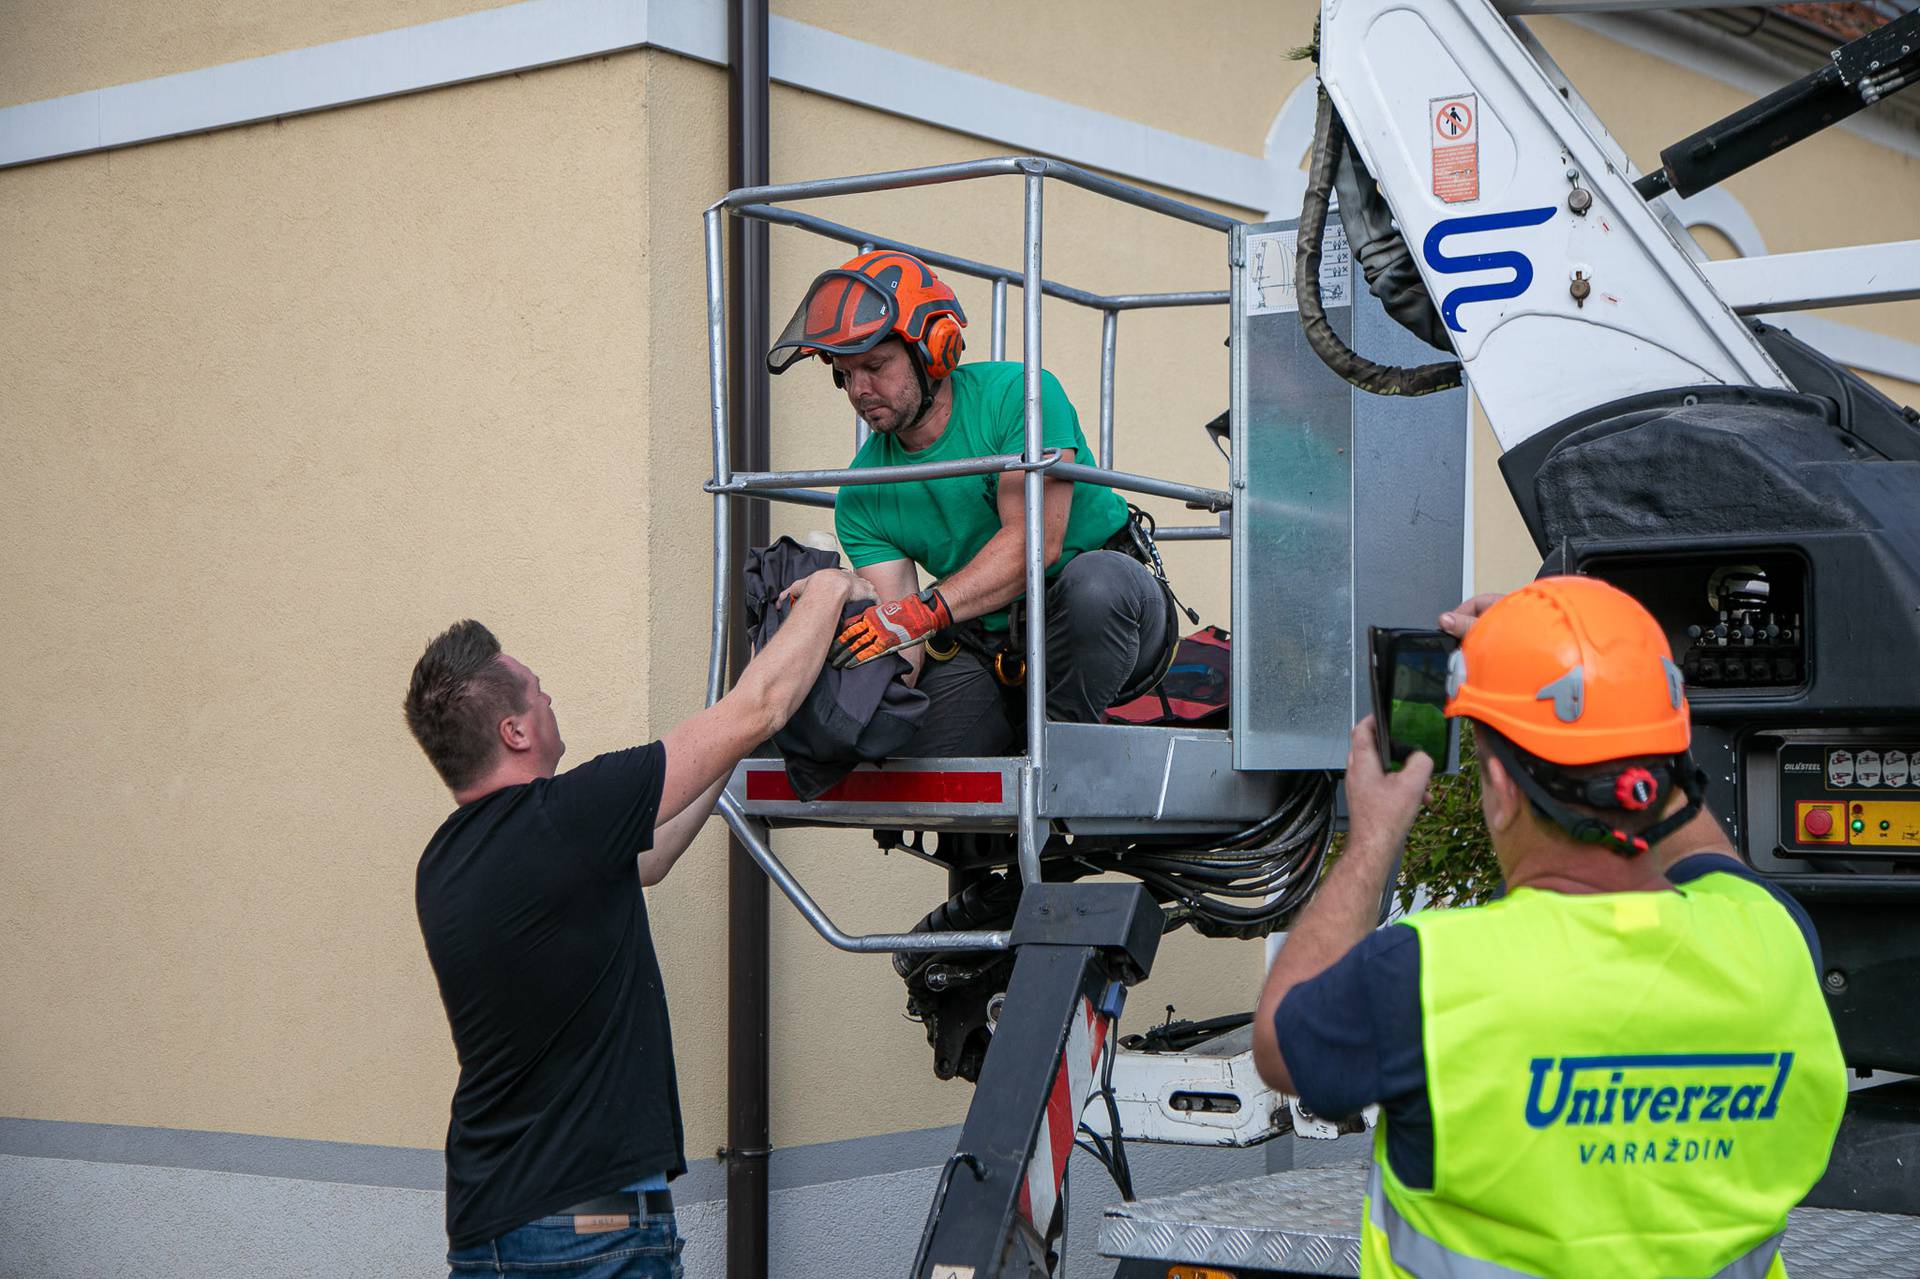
[{"x": 857, "y": 716}]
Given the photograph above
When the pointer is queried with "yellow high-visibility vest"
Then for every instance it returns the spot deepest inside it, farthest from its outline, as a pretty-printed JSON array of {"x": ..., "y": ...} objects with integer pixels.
[{"x": 1622, "y": 1084}]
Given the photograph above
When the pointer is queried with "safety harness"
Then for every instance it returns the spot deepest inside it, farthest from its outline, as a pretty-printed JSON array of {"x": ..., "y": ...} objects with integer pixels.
[{"x": 1004, "y": 652}]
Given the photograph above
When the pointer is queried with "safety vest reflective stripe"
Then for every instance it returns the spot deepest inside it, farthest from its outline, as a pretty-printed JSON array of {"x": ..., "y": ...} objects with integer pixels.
[{"x": 1426, "y": 1258}]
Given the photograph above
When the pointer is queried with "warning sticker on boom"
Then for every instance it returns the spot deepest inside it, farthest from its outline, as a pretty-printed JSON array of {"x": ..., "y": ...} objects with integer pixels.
[{"x": 1454, "y": 131}]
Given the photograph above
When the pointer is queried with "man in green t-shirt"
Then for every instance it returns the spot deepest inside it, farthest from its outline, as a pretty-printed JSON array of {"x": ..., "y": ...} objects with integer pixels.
[{"x": 890, "y": 331}]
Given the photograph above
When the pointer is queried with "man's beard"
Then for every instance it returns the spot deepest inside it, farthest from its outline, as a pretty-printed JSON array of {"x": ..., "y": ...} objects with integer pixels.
[{"x": 898, "y": 418}]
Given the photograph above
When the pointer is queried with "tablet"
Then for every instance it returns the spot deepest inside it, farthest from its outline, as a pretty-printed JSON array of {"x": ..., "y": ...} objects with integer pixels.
[{"x": 1409, "y": 671}]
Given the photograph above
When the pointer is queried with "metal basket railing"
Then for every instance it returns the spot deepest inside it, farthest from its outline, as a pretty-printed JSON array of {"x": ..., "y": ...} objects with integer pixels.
[{"x": 766, "y": 204}]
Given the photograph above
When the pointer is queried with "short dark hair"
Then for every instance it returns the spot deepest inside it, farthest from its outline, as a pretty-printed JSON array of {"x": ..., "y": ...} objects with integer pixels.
[{"x": 459, "y": 693}]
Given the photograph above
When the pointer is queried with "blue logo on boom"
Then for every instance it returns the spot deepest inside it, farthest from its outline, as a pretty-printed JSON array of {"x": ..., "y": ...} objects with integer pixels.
[
  {"x": 1509, "y": 260},
  {"x": 1705, "y": 1093}
]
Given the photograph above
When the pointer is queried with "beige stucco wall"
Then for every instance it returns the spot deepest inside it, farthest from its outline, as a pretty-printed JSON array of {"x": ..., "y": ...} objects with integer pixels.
[
  {"x": 49, "y": 48},
  {"x": 284, "y": 400},
  {"x": 1137, "y": 59},
  {"x": 1211, "y": 71},
  {"x": 275, "y": 405}
]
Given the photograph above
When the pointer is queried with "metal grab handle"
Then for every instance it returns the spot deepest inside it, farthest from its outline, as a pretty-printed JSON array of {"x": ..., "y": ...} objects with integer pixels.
[
  {"x": 748, "y": 481},
  {"x": 1001, "y": 276},
  {"x": 1030, "y": 165},
  {"x": 1194, "y": 495},
  {"x": 722, "y": 459},
  {"x": 752, "y": 835}
]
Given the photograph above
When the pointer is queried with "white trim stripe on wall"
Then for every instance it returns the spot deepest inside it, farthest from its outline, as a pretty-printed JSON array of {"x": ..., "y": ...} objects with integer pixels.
[
  {"x": 542, "y": 33},
  {"x": 475, "y": 46}
]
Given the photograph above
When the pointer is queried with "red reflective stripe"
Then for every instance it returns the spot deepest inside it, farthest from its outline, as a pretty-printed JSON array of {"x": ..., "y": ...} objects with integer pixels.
[
  {"x": 885, "y": 788},
  {"x": 1059, "y": 1129}
]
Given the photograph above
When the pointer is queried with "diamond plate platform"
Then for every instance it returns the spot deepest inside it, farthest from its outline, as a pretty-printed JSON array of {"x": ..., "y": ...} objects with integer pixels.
[
  {"x": 1307, "y": 1222},
  {"x": 1303, "y": 1222}
]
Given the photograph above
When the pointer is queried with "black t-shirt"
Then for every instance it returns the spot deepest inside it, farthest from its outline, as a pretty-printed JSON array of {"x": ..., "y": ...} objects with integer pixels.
[
  {"x": 530, "y": 904},
  {"x": 1351, "y": 1036}
]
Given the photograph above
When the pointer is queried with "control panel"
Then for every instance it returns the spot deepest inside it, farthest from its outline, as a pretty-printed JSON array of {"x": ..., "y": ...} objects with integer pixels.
[
  {"x": 1850, "y": 797},
  {"x": 1736, "y": 623}
]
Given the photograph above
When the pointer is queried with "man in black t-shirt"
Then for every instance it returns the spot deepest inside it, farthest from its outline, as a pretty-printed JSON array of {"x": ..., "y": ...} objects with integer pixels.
[{"x": 565, "y": 1124}]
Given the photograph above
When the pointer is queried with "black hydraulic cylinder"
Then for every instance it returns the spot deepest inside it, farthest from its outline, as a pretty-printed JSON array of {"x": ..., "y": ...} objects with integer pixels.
[
  {"x": 1861, "y": 73},
  {"x": 993, "y": 1216}
]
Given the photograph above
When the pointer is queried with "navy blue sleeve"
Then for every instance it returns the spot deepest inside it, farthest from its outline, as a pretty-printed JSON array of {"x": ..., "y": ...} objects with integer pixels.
[
  {"x": 1351, "y": 1036},
  {"x": 1692, "y": 868},
  {"x": 607, "y": 806}
]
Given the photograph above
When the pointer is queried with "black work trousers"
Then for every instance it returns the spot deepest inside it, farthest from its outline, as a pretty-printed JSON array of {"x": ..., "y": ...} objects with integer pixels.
[{"x": 1107, "y": 629}]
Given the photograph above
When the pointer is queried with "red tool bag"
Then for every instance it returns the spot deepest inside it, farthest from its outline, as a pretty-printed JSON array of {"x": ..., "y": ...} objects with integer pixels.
[{"x": 1194, "y": 689}]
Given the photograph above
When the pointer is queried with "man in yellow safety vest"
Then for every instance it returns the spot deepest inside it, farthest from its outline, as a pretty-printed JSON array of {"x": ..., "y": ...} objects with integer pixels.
[{"x": 1624, "y": 1066}]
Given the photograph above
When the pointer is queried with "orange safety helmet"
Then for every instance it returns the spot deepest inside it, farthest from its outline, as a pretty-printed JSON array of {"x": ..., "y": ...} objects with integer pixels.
[
  {"x": 1573, "y": 671},
  {"x": 882, "y": 294},
  {"x": 1569, "y": 671}
]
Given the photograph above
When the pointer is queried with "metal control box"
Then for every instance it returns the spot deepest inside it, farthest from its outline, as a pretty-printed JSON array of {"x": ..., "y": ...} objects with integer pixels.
[{"x": 1350, "y": 509}]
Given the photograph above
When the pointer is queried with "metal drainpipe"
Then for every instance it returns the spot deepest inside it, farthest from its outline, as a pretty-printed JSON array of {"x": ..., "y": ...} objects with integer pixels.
[{"x": 747, "y": 942}]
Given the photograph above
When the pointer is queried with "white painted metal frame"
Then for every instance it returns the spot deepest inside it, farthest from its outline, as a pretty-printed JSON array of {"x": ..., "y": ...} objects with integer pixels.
[
  {"x": 1653, "y": 320},
  {"x": 1716, "y": 209},
  {"x": 1528, "y": 8},
  {"x": 1164, "y": 1096},
  {"x": 1821, "y": 277}
]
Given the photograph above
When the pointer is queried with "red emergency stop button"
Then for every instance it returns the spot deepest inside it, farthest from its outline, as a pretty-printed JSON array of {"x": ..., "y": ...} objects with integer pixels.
[{"x": 1819, "y": 822}]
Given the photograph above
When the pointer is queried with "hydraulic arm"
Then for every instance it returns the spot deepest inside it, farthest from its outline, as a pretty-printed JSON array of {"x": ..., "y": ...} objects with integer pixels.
[{"x": 1875, "y": 66}]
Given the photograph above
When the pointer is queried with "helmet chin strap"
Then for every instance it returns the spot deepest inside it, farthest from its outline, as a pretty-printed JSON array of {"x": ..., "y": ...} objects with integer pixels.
[
  {"x": 928, "y": 389},
  {"x": 1687, "y": 777}
]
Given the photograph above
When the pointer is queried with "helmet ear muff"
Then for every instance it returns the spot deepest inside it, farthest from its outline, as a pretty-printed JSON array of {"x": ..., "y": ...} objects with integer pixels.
[{"x": 941, "y": 347}]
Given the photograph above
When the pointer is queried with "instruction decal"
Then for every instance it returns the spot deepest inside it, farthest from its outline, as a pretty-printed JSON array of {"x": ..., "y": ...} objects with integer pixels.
[
  {"x": 1453, "y": 129},
  {"x": 1270, "y": 270}
]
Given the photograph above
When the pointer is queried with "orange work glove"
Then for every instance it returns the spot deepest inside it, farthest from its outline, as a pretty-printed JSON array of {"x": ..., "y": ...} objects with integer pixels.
[{"x": 883, "y": 628}]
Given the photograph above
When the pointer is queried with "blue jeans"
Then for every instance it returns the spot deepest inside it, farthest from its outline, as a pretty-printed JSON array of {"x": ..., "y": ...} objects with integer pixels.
[{"x": 645, "y": 1248}]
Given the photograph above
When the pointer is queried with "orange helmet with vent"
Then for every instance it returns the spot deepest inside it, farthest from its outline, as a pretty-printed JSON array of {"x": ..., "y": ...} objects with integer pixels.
[
  {"x": 1569, "y": 671},
  {"x": 882, "y": 294},
  {"x": 1573, "y": 671}
]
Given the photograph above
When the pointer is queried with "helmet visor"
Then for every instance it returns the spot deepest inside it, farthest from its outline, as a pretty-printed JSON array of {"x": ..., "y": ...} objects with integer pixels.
[{"x": 843, "y": 313}]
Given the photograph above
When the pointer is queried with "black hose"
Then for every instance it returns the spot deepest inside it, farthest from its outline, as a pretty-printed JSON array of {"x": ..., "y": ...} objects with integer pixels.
[
  {"x": 1329, "y": 140},
  {"x": 1204, "y": 887},
  {"x": 1272, "y": 865}
]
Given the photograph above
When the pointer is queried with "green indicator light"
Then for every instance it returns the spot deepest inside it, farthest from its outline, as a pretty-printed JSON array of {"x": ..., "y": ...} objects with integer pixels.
[
  {"x": 1886, "y": 825},
  {"x": 1858, "y": 825}
]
